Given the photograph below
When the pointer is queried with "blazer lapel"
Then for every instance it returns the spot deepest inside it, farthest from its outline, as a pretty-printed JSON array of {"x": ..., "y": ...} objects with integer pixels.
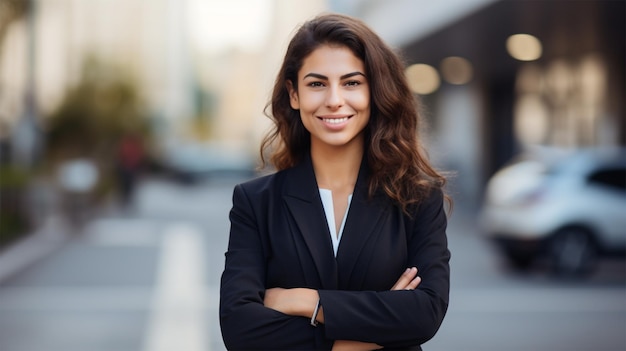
[
  {"x": 363, "y": 215},
  {"x": 303, "y": 200}
]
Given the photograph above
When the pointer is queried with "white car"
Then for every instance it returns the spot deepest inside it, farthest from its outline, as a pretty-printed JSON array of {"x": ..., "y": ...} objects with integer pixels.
[{"x": 569, "y": 208}]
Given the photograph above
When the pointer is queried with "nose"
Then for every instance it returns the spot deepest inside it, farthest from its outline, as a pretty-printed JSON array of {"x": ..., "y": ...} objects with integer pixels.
[{"x": 334, "y": 97}]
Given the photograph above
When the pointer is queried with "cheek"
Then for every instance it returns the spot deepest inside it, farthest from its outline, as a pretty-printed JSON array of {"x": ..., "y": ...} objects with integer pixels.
[
  {"x": 365, "y": 104},
  {"x": 361, "y": 101}
]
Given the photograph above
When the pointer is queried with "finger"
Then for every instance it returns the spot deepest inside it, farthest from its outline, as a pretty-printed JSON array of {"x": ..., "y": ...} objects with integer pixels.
[
  {"x": 405, "y": 279},
  {"x": 408, "y": 282},
  {"x": 414, "y": 283}
]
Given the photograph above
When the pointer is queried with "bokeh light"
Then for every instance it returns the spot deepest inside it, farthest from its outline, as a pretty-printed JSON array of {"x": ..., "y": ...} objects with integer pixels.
[
  {"x": 524, "y": 47},
  {"x": 456, "y": 70},
  {"x": 423, "y": 79}
]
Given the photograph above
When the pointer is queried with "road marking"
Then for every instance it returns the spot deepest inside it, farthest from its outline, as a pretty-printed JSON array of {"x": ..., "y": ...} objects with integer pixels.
[{"x": 178, "y": 321}]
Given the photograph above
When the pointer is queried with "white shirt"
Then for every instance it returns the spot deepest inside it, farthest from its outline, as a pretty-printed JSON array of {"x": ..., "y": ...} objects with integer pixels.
[{"x": 329, "y": 209}]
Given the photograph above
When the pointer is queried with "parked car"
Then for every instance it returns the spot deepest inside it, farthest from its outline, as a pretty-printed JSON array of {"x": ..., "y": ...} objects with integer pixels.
[{"x": 569, "y": 209}]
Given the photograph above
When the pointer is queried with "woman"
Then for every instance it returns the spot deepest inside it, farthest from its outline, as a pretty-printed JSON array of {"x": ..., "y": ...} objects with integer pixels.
[{"x": 325, "y": 253}]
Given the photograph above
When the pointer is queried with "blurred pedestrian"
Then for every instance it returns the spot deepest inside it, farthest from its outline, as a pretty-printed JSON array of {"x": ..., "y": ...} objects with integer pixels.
[
  {"x": 344, "y": 247},
  {"x": 130, "y": 155}
]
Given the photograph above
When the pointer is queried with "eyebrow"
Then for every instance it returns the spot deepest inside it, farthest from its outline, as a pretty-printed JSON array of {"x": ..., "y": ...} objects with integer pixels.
[{"x": 345, "y": 76}]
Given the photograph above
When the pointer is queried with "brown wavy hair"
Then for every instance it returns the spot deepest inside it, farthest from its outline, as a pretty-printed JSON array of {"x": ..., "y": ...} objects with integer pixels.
[{"x": 396, "y": 159}]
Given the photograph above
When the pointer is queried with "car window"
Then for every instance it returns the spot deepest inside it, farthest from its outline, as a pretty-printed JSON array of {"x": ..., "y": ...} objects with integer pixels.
[{"x": 614, "y": 178}]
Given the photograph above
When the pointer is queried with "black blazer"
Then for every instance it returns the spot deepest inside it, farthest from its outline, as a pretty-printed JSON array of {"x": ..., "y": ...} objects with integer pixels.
[{"x": 279, "y": 237}]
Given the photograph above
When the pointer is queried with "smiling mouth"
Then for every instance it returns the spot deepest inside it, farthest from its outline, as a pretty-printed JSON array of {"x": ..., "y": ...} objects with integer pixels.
[{"x": 335, "y": 120}]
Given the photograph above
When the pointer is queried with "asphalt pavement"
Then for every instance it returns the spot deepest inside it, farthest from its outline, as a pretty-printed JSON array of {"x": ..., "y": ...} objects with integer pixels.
[{"x": 147, "y": 279}]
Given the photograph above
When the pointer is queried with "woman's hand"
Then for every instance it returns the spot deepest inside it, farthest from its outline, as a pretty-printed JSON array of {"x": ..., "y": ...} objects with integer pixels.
[{"x": 409, "y": 280}]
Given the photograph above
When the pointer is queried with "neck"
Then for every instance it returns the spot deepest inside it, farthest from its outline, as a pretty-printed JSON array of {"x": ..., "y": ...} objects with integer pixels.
[{"x": 336, "y": 168}]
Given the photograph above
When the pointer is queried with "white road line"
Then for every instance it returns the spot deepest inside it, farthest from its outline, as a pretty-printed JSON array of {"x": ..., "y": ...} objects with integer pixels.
[{"x": 178, "y": 320}]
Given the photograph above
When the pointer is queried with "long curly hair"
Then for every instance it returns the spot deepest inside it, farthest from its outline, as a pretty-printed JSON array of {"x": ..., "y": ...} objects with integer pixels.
[{"x": 397, "y": 161}]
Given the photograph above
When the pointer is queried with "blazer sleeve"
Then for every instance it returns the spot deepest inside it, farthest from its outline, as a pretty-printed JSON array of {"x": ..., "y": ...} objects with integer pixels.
[
  {"x": 400, "y": 318},
  {"x": 245, "y": 322}
]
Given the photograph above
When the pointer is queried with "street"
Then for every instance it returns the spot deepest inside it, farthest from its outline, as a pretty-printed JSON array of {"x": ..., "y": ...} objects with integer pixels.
[{"x": 148, "y": 280}]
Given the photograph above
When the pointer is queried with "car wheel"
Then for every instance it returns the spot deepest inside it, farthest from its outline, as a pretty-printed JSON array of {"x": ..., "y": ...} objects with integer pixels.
[{"x": 572, "y": 251}]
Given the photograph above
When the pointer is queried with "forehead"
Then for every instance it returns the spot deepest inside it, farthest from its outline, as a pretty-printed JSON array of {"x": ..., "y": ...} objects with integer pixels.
[{"x": 331, "y": 60}]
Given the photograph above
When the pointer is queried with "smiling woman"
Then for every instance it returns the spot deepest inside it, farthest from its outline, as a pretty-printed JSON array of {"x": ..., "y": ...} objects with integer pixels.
[{"x": 325, "y": 253}]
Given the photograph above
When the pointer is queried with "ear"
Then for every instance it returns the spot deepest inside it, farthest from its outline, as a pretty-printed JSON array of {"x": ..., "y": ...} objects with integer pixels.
[{"x": 293, "y": 96}]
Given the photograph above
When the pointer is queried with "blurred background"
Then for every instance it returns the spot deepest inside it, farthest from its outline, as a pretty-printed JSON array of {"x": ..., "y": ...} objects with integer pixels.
[{"x": 124, "y": 126}]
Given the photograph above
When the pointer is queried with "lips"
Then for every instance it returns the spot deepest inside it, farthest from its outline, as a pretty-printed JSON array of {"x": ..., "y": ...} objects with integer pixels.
[{"x": 335, "y": 122}]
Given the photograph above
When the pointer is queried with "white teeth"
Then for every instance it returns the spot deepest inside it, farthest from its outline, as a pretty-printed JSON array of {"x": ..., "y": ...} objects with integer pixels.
[{"x": 335, "y": 120}]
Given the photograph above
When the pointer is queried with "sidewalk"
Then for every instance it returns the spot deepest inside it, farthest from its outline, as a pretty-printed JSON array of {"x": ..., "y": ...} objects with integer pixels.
[{"x": 51, "y": 235}]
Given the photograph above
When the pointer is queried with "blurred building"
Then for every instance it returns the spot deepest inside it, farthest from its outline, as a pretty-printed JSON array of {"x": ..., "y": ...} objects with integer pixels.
[
  {"x": 499, "y": 77},
  {"x": 203, "y": 67}
]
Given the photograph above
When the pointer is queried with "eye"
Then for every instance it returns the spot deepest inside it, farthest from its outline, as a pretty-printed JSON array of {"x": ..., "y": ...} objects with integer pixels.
[
  {"x": 353, "y": 83},
  {"x": 315, "y": 84}
]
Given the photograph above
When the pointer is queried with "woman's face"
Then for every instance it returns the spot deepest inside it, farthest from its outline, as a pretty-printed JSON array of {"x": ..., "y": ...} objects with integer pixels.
[{"x": 333, "y": 96}]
